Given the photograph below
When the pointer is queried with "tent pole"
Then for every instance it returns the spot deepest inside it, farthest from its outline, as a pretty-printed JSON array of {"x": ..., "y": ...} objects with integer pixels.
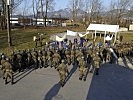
[
  {"x": 100, "y": 35},
  {"x": 115, "y": 38},
  {"x": 95, "y": 35},
  {"x": 104, "y": 37},
  {"x": 92, "y": 35}
]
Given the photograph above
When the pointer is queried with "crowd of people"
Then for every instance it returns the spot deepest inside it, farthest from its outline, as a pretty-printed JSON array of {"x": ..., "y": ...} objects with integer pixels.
[{"x": 85, "y": 55}]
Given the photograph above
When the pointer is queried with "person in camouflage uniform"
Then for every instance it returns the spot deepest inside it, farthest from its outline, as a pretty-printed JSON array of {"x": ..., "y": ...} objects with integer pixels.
[
  {"x": 96, "y": 62},
  {"x": 62, "y": 70},
  {"x": 49, "y": 57},
  {"x": 104, "y": 54},
  {"x": 68, "y": 56},
  {"x": 56, "y": 59},
  {"x": 7, "y": 70},
  {"x": 79, "y": 54},
  {"x": 73, "y": 56},
  {"x": 44, "y": 58},
  {"x": 29, "y": 59},
  {"x": 35, "y": 58},
  {"x": 13, "y": 61},
  {"x": 19, "y": 61},
  {"x": 89, "y": 57},
  {"x": 70, "y": 45},
  {"x": 40, "y": 59},
  {"x": 82, "y": 68}
]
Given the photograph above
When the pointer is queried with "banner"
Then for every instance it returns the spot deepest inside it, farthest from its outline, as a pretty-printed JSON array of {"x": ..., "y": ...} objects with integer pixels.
[
  {"x": 108, "y": 38},
  {"x": 59, "y": 39},
  {"x": 34, "y": 38},
  {"x": 71, "y": 33},
  {"x": 81, "y": 35}
]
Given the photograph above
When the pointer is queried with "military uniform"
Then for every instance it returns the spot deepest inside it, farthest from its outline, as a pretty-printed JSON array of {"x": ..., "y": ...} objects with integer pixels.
[
  {"x": 73, "y": 56},
  {"x": 49, "y": 58},
  {"x": 68, "y": 56},
  {"x": 29, "y": 59},
  {"x": 44, "y": 58},
  {"x": 19, "y": 60},
  {"x": 62, "y": 69},
  {"x": 82, "y": 69},
  {"x": 56, "y": 59},
  {"x": 96, "y": 62},
  {"x": 7, "y": 70},
  {"x": 35, "y": 58},
  {"x": 40, "y": 59}
]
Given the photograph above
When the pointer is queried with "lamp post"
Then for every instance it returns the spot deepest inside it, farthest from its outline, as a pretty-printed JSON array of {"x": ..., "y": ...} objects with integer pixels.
[{"x": 8, "y": 23}]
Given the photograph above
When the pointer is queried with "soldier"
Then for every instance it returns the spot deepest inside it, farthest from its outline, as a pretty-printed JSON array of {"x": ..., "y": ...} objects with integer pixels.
[
  {"x": 29, "y": 58},
  {"x": 104, "y": 54},
  {"x": 40, "y": 59},
  {"x": 70, "y": 45},
  {"x": 7, "y": 70},
  {"x": 19, "y": 60},
  {"x": 96, "y": 62},
  {"x": 62, "y": 69},
  {"x": 82, "y": 69},
  {"x": 24, "y": 59},
  {"x": 68, "y": 56},
  {"x": 35, "y": 58},
  {"x": 73, "y": 56},
  {"x": 79, "y": 53},
  {"x": 44, "y": 58},
  {"x": 56, "y": 59},
  {"x": 49, "y": 57},
  {"x": 89, "y": 57}
]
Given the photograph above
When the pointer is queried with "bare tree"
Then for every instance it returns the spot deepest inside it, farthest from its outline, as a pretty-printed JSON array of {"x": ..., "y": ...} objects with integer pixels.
[
  {"x": 95, "y": 10},
  {"x": 49, "y": 5},
  {"x": 75, "y": 6},
  {"x": 121, "y": 7}
]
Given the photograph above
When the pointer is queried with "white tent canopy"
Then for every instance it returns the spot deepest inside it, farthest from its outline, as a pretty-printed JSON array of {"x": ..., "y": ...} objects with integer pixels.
[
  {"x": 105, "y": 28},
  {"x": 108, "y": 38}
]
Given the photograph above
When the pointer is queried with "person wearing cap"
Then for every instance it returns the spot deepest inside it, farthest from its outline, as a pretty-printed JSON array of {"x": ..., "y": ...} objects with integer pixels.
[
  {"x": 7, "y": 69},
  {"x": 19, "y": 60},
  {"x": 96, "y": 62},
  {"x": 35, "y": 58},
  {"x": 62, "y": 70},
  {"x": 40, "y": 60},
  {"x": 29, "y": 58},
  {"x": 68, "y": 56},
  {"x": 56, "y": 59},
  {"x": 49, "y": 57},
  {"x": 82, "y": 69}
]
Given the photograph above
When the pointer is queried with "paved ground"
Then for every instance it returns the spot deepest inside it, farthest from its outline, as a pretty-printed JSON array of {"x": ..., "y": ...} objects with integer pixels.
[{"x": 114, "y": 83}]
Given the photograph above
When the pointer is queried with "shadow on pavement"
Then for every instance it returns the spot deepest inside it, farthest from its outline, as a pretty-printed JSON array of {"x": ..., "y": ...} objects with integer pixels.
[
  {"x": 125, "y": 62},
  {"x": 22, "y": 75},
  {"x": 71, "y": 72},
  {"x": 52, "y": 92},
  {"x": 114, "y": 82}
]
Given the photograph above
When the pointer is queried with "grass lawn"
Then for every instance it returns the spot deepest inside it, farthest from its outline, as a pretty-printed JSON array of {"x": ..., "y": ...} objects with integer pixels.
[{"x": 23, "y": 39}]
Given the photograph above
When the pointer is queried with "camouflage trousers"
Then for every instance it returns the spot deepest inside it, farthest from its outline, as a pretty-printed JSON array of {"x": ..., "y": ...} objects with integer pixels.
[
  {"x": 82, "y": 73},
  {"x": 62, "y": 77},
  {"x": 8, "y": 74}
]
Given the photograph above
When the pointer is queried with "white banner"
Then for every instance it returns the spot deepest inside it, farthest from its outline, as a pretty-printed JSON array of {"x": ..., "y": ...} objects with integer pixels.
[
  {"x": 82, "y": 35},
  {"x": 71, "y": 33},
  {"x": 34, "y": 38},
  {"x": 59, "y": 39}
]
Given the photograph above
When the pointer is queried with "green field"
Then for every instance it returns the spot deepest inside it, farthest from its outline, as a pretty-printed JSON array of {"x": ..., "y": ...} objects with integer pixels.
[{"x": 23, "y": 39}]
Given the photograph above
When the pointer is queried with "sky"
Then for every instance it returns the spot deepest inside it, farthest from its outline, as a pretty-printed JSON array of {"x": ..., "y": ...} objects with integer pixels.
[{"x": 60, "y": 4}]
